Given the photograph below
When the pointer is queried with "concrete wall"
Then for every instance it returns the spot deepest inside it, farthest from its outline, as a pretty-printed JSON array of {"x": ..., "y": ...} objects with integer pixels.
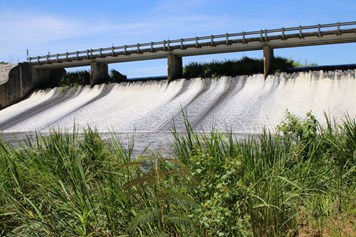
[
  {"x": 17, "y": 86},
  {"x": 22, "y": 81},
  {"x": 46, "y": 78}
]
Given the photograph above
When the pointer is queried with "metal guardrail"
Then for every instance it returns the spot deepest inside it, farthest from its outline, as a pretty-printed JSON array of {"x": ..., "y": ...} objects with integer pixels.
[{"x": 184, "y": 43}]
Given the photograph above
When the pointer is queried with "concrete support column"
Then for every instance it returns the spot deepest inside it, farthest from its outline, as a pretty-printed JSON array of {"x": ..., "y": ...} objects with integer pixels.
[
  {"x": 267, "y": 59},
  {"x": 175, "y": 67},
  {"x": 99, "y": 72}
]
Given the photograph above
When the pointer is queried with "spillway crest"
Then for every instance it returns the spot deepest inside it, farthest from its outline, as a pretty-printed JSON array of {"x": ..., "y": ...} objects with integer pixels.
[{"x": 243, "y": 104}]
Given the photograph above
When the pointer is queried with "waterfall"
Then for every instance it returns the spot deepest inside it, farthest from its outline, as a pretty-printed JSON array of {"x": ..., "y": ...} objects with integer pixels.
[{"x": 243, "y": 104}]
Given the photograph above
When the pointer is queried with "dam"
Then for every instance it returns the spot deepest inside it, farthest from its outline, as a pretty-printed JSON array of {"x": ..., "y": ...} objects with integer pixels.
[
  {"x": 244, "y": 104},
  {"x": 241, "y": 105},
  {"x": 46, "y": 70}
]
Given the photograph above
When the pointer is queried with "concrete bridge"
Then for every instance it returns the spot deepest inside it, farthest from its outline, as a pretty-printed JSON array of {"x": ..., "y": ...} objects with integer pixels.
[
  {"x": 42, "y": 70},
  {"x": 175, "y": 50}
]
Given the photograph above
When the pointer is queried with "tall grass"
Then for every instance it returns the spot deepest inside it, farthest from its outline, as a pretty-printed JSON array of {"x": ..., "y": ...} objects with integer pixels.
[
  {"x": 300, "y": 181},
  {"x": 273, "y": 185}
]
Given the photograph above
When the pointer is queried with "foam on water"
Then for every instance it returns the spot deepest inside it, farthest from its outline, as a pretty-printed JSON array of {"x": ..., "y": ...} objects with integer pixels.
[{"x": 243, "y": 104}]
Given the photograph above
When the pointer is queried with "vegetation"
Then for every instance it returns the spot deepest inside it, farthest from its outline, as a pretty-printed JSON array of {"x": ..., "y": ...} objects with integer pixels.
[
  {"x": 300, "y": 181},
  {"x": 215, "y": 69},
  {"x": 3, "y": 62},
  {"x": 305, "y": 64},
  {"x": 243, "y": 66},
  {"x": 75, "y": 78},
  {"x": 83, "y": 78}
]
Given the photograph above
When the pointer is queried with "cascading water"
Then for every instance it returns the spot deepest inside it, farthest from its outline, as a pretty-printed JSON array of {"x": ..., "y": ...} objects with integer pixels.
[{"x": 243, "y": 104}]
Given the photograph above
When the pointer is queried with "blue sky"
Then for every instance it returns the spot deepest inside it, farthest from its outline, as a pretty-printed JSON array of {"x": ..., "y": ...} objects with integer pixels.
[{"x": 58, "y": 26}]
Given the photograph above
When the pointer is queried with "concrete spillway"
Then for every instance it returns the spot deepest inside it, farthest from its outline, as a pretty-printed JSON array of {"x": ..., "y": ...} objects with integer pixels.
[{"x": 244, "y": 104}]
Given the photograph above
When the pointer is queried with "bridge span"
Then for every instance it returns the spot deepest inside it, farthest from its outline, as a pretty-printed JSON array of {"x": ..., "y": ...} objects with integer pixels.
[{"x": 174, "y": 50}]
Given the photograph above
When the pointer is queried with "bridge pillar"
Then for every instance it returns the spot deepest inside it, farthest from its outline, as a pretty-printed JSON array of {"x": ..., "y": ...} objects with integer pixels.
[
  {"x": 175, "y": 67},
  {"x": 99, "y": 72},
  {"x": 267, "y": 59}
]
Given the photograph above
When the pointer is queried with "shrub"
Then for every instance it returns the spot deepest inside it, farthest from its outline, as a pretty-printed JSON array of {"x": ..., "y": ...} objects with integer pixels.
[
  {"x": 75, "y": 78},
  {"x": 244, "y": 66},
  {"x": 81, "y": 78},
  {"x": 116, "y": 76}
]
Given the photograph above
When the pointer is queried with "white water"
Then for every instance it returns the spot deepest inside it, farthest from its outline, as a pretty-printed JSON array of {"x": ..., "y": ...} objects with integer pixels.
[{"x": 241, "y": 105}]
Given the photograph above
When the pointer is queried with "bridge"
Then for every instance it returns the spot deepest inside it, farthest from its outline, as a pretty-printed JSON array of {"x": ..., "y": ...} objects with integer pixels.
[{"x": 174, "y": 50}]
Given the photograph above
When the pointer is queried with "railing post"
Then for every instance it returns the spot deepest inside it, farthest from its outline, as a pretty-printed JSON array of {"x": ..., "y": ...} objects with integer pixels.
[
  {"x": 300, "y": 32},
  {"x": 169, "y": 45},
  {"x": 113, "y": 51},
  {"x": 138, "y": 48},
  {"x": 152, "y": 50},
  {"x": 283, "y": 34},
  {"x": 101, "y": 52},
  {"x": 319, "y": 30},
  {"x": 125, "y": 49},
  {"x": 181, "y": 43},
  {"x": 244, "y": 37},
  {"x": 338, "y": 28},
  {"x": 212, "y": 41},
  {"x": 196, "y": 42},
  {"x": 261, "y": 35},
  {"x": 27, "y": 54},
  {"x": 227, "y": 39},
  {"x": 164, "y": 45},
  {"x": 77, "y": 54},
  {"x": 266, "y": 37}
]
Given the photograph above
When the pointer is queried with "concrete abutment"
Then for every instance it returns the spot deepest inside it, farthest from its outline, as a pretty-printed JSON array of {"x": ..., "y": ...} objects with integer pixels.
[
  {"x": 17, "y": 85},
  {"x": 21, "y": 80}
]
